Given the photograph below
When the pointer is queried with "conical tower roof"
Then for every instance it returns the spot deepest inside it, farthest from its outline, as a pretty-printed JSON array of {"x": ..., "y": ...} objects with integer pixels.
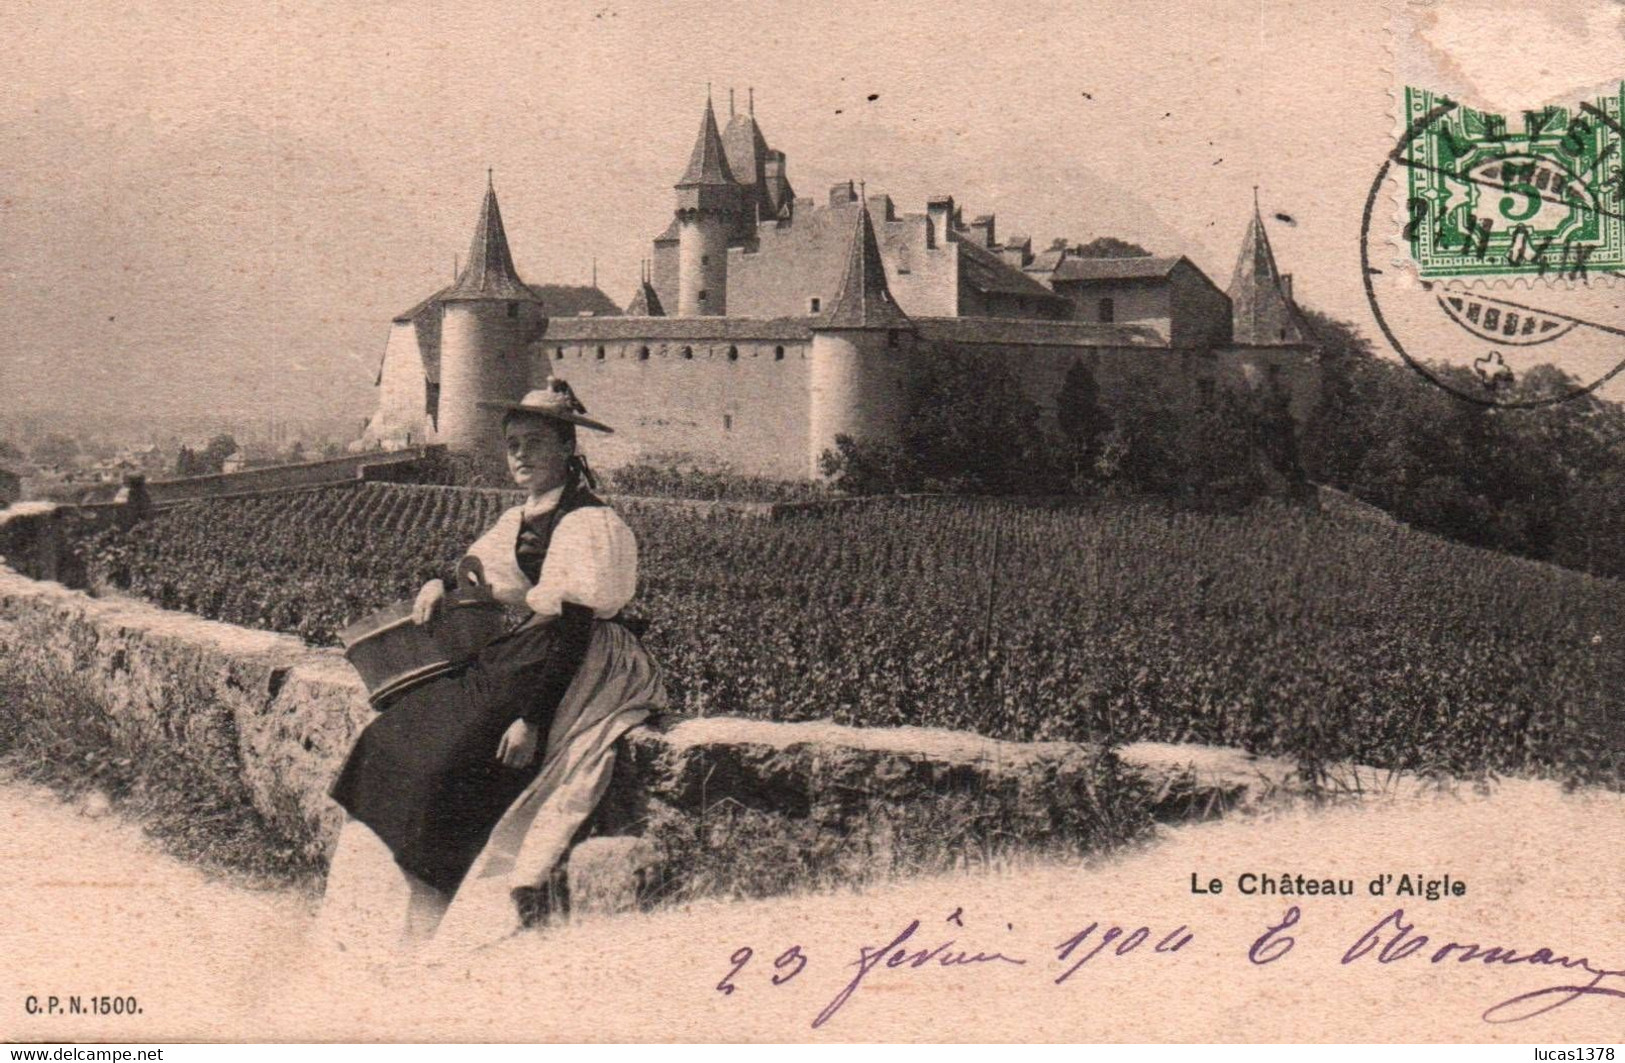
[
  {"x": 708, "y": 164},
  {"x": 864, "y": 300},
  {"x": 745, "y": 148},
  {"x": 1262, "y": 313},
  {"x": 489, "y": 272}
]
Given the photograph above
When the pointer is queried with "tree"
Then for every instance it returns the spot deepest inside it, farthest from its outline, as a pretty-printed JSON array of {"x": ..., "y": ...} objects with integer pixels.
[
  {"x": 215, "y": 454},
  {"x": 1110, "y": 247},
  {"x": 10, "y": 452},
  {"x": 1083, "y": 423},
  {"x": 969, "y": 428}
]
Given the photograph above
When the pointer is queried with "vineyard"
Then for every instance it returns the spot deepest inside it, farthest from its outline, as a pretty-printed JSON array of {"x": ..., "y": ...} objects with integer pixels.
[{"x": 1279, "y": 629}]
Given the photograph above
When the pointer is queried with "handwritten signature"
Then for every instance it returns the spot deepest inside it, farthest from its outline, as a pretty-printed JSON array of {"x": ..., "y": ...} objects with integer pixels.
[{"x": 1392, "y": 940}]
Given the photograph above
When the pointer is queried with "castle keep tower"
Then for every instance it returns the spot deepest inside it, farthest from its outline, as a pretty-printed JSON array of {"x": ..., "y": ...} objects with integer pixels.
[
  {"x": 709, "y": 208},
  {"x": 858, "y": 366},
  {"x": 488, "y": 316}
]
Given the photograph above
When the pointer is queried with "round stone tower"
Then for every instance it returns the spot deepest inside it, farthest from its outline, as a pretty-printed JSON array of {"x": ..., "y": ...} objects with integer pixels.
[
  {"x": 860, "y": 363},
  {"x": 709, "y": 205},
  {"x": 487, "y": 319}
]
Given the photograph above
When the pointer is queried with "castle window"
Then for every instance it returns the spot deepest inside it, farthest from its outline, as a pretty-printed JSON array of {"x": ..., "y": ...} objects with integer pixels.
[
  {"x": 513, "y": 309},
  {"x": 1108, "y": 311},
  {"x": 702, "y": 295},
  {"x": 705, "y": 260},
  {"x": 778, "y": 353},
  {"x": 600, "y": 352},
  {"x": 893, "y": 337},
  {"x": 688, "y": 352},
  {"x": 643, "y": 354},
  {"x": 727, "y": 422},
  {"x": 733, "y": 354},
  {"x": 558, "y": 353},
  {"x": 813, "y": 305}
]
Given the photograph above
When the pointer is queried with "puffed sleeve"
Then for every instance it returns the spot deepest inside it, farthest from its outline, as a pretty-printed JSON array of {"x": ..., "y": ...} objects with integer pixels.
[
  {"x": 592, "y": 560},
  {"x": 495, "y": 552}
]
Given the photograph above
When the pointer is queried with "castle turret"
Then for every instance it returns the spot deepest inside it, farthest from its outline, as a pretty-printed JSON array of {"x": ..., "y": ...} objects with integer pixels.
[
  {"x": 487, "y": 318},
  {"x": 859, "y": 361},
  {"x": 709, "y": 207},
  {"x": 1262, "y": 311}
]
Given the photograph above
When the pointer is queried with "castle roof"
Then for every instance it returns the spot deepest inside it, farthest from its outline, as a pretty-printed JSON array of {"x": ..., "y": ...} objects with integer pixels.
[
  {"x": 745, "y": 148},
  {"x": 863, "y": 301},
  {"x": 708, "y": 164},
  {"x": 1142, "y": 267},
  {"x": 489, "y": 272},
  {"x": 564, "y": 300},
  {"x": 646, "y": 303},
  {"x": 1048, "y": 260},
  {"x": 987, "y": 272},
  {"x": 1263, "y": 313}
]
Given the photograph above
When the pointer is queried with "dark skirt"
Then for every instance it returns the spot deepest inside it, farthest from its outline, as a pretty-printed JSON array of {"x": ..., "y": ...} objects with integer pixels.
[{"x": 424, "y": 775}]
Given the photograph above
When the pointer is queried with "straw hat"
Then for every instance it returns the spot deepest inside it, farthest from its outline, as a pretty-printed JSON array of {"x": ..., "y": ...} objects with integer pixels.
[{"x": 556, "y": 401}]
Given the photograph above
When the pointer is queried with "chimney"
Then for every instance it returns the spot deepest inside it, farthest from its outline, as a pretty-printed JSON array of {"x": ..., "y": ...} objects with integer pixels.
[
  {"x": 1286, "y": 286},
  {"x": 842, "y": 193},
  {"x": 940, "y": 211},
  {"x": 881, "y": 208},
  {"x": 982, "y": 229}
]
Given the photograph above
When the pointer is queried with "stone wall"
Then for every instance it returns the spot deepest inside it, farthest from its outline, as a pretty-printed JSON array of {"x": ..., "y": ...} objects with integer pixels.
[
  {"x": 281, "y": 716},
  {"x": 737, "y": 403},
  {"x": 346, "y": 469}
]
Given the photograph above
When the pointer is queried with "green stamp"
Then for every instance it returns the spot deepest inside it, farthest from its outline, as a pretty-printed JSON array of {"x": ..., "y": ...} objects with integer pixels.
[{"x": 1544, "y": 199}]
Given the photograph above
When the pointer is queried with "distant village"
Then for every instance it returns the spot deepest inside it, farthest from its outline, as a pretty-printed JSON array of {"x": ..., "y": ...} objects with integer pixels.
[{"x": 57, "y": 466}]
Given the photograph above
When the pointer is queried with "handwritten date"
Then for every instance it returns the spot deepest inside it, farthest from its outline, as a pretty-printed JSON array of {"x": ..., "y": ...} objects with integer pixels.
[{"x": 1393, "y": 938}]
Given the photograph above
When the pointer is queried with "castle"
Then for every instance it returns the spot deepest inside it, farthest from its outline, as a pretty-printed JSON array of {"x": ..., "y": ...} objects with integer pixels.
[{"x": 767, "y": 324}]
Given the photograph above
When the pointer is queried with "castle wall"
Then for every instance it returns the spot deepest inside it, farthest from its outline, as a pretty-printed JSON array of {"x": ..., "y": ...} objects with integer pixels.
[
  {"x": 691, "y": 400},
  {"x": 1136, "y": 302},
  {"x": 788, "y": 266},
  {"x": 1201, "y": 313},
  {"x": 663, "y": 274},
  {"x": 402, "y": 390}
]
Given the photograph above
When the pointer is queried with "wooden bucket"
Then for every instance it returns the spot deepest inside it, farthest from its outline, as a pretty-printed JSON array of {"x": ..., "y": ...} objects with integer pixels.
[{"x": 394, "y": 655}]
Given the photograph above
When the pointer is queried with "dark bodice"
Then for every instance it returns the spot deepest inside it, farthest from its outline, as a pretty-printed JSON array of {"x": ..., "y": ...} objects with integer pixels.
[{"x": 536, "y": 533}]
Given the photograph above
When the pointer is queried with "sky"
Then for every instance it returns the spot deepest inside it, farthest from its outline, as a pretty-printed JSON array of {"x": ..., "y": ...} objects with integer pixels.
[{"x": 219, "y": 207}]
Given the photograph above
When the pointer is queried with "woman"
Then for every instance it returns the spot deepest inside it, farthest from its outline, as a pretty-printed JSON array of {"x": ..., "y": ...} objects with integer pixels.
[{"x": 471, "y": 786}]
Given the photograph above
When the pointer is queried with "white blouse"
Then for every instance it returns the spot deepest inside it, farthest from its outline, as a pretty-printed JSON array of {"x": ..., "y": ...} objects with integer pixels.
[{"x": 592, "y": 560}]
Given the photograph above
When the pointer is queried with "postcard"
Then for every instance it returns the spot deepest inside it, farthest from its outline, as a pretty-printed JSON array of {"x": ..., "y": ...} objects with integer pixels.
[{"x": 1035, "y": 522}]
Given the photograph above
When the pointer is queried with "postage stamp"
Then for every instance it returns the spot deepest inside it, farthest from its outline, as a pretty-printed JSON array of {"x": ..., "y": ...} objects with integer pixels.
[
  {"x": 1539, "y": 194},
  {"x": 1489, "y": 240}
]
